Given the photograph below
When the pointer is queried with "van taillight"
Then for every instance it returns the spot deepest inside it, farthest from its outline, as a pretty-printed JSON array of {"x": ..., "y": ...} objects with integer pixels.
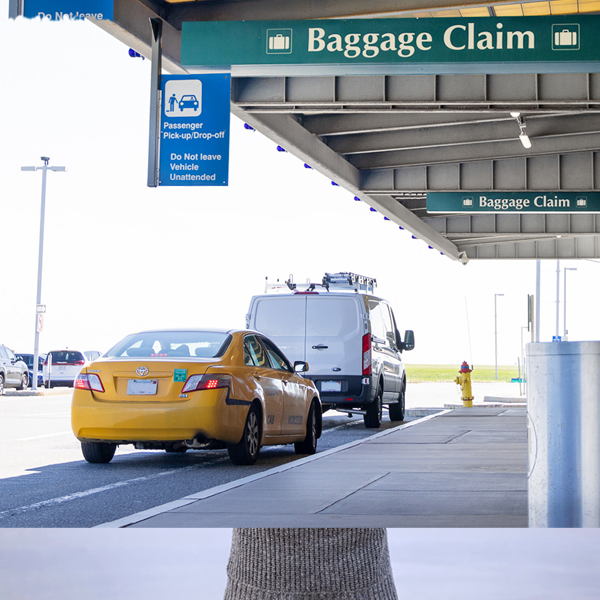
[{"x": 366, "y": 347}]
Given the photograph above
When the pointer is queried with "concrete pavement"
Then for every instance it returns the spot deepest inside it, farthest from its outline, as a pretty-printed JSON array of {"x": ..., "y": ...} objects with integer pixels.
[{"x": 462, "y": 467}]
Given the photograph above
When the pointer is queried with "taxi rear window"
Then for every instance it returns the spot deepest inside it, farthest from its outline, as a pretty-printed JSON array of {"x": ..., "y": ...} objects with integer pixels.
[{"x": 172, "y": 344}]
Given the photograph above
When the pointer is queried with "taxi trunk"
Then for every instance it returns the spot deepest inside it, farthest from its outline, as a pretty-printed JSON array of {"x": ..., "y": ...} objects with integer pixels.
[{"x": 160, "y": 402}]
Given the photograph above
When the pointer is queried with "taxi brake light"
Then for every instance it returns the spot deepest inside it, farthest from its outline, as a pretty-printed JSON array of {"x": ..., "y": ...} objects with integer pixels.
[
  {"x": 89, "y": 382},
  {"x": 208, "y": 381}
]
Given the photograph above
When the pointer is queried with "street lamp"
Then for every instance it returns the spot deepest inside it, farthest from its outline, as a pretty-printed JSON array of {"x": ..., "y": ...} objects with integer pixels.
[
  {"x": 38, "y": 307},
  {"x": 496, "y": 333},
  {"x": 565, "y": 299}
]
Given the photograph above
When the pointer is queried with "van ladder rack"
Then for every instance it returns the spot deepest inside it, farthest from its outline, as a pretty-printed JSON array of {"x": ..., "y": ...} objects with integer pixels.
[{"x": 344, "y": 280}]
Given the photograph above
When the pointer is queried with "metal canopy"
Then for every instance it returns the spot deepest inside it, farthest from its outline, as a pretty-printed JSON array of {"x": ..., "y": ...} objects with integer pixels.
[{"x": 389, "y": 139}]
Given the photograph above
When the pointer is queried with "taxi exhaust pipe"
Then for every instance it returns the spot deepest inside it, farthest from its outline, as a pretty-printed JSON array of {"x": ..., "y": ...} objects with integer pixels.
[{"x": 198, "y": 443}]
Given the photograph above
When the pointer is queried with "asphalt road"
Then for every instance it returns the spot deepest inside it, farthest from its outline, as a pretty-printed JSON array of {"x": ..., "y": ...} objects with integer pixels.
[{"x": 44, "y": 481}]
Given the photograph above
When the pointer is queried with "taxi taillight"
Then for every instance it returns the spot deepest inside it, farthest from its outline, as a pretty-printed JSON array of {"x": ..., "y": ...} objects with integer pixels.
[
  {"x": 90, "y": 382},
  {"x": 208, "y": 381}
]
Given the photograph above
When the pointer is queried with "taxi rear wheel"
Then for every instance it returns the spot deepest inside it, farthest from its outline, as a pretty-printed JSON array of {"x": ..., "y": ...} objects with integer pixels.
[
  {"x": 98, "y": 452},
  {"x": 245, "y": 452},
  {"x": 309, "y": 444}
]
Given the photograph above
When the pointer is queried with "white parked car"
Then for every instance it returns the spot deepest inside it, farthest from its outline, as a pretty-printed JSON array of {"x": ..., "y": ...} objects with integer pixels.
[
  {"x": 349, "y": 340},
  {"x": 61, "y": 367}
]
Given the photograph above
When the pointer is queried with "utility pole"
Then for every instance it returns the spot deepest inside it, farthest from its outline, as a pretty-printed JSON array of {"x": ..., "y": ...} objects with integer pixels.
[
  {"x": 496, "y": 334},
  {"x": 565, "y": 300}
]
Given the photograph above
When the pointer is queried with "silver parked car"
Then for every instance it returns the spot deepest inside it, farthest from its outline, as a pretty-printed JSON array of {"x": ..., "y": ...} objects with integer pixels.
[{"x": 13, "y": 372}]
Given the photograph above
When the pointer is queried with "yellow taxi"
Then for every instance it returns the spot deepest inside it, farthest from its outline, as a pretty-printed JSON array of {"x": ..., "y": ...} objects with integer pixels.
[{"x": 195, "y": 389}]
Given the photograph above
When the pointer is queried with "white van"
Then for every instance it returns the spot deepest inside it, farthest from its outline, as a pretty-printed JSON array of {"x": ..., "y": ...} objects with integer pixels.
[{"x": 349, "y": 340}]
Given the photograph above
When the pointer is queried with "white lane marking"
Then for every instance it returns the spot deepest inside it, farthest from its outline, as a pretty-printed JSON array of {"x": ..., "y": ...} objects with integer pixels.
[
  {"x": 85, "y": 493},
  {"x": 39, "y": 437},
  {"x": 61, "y": 414},
  {"x": 342, "y": 426}
]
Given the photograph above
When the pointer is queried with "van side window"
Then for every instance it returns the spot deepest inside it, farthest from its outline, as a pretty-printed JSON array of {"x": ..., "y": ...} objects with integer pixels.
[
  {"x": 387, "y": 322},
  {"x": 254, "y": 351},
  {"x": 377, "y": 323},
  {"x": 278, "y": 362}
]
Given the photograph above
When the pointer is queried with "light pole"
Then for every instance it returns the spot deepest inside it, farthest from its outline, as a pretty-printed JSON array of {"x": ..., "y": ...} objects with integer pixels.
[
  {"x": 565, "y": 299},
  {"x": 557, "y": 299},
  {"x": 38, "y": 306},
  {"x": 496, "y": 333}
]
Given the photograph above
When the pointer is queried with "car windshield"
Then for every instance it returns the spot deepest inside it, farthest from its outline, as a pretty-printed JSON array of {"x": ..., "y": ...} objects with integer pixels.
[{"x": 172, "y": 344}]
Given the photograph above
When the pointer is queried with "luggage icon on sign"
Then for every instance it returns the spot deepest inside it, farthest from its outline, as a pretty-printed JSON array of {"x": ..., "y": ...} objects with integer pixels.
[
  {"x": 279, "y": 41},
  {"x": 565, "y": 36}
]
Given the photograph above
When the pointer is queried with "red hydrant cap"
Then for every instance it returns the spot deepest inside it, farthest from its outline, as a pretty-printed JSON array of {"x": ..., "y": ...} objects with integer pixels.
[{"x": 464, "y": 368}]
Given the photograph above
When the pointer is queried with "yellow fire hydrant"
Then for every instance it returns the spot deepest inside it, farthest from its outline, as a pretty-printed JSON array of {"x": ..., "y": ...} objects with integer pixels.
[{"x": 464, "y": 380}]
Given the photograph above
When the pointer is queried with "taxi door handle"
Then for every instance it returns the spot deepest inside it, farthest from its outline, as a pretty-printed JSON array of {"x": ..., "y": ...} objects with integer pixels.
[{"x": 256, "y": 376}]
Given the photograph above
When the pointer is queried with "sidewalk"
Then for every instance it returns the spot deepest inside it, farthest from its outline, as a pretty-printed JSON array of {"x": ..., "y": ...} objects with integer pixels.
[{"x": 465, "y": 467}]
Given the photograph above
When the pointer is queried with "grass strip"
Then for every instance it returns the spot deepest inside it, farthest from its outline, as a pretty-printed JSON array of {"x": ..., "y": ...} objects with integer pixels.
[{"x": 423, "y": 373}]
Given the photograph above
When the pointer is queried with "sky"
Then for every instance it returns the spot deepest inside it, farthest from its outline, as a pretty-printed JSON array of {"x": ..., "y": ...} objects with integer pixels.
[
  {"x": 428, "y": 564},
  {"x": 120, "y": 257}
]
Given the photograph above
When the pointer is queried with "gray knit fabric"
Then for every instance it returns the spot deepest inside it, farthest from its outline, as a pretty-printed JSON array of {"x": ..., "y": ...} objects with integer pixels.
[{"x": 310, "y": 564}]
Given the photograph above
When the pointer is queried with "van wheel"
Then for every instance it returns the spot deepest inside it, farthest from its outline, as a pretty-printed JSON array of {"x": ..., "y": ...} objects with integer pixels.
[
  {"x": 374, "y": 412},
  {"x": 1, "y": 384},
  {"x": 397, "y": 410},
  {"x": 245, "y": 452},
  {"x": 98, "y": 452},
  {"x": 309, "y": 444}
]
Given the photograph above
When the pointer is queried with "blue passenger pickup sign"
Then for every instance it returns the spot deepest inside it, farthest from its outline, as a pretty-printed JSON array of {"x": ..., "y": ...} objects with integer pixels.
[
  {"x": 56, "y": 10},
  {"x": 194, "y": 129}
]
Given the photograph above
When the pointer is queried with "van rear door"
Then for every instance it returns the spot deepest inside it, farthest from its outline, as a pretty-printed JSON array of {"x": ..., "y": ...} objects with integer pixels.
[
  {"x": 333, "y": 336},
  {"x": 282, "y": 319}
]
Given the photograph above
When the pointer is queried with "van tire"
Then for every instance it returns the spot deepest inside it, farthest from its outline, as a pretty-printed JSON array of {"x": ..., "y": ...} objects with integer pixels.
[
  {"x": 372, "y": 418},
  {"x": 397, "y": 410},
  {"x": 245, "y": 452},
  {"x": 98, "y": 452},
  {"x": 309, "y": 444}
]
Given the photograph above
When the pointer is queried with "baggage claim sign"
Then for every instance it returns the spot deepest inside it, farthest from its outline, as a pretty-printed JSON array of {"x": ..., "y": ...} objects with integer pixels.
[{"x": 565, "y": 43}]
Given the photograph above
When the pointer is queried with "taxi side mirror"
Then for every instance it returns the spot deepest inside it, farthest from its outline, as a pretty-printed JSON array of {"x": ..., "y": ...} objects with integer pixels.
[{"x": 300, "y": 366}]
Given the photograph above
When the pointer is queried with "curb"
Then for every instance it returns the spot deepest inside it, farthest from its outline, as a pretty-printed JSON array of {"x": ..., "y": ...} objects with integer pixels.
[
  {"x": 152, "y": 512},
  {"x": 39, "y": 392}
]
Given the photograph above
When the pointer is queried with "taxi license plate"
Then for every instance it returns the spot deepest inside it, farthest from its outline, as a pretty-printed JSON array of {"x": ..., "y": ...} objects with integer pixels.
[
  {"x": 142, "y": 387},
  {"x": 331, "y": 386}
]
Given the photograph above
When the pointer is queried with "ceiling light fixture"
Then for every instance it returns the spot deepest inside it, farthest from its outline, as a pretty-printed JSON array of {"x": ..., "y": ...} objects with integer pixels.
[{"x": 522, "y": 135}]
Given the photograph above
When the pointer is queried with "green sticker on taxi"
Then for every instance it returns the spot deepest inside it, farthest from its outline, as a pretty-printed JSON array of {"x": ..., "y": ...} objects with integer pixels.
[{"x": 179, "y": 374}]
